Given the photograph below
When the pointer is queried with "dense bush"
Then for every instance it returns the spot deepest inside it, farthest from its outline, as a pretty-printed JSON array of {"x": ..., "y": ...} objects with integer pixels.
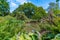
[
  {"x": 9, "y": 26},
  {"x": 28, "y": 36},
  {"x": 57, "y": 37}
]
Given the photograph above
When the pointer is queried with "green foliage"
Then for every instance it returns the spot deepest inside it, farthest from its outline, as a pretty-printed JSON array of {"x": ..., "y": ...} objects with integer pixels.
[
  {"x": 57, "y": 0},
  {"x": 19, "y": 16},
  {"x": 27, "y": 8},
  {"x": 9, "y": 26},
  {"x": 28, "y": 17},
  {"x": 29, "y": 36},
  {"x": 48, "y": 36},
  {"x": 31, "y": 11},
  {"x": 55, "y": 7},
  {"x": 57, "y": 37},
  {"x": 4, "y": 7},
  {"x": 39, "y": 13}
]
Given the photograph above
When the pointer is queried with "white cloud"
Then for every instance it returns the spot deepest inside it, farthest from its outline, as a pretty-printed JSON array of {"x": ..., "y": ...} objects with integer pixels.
[
  {"x": 13, "y": 6},
  {"x": 22, "y": 1}
]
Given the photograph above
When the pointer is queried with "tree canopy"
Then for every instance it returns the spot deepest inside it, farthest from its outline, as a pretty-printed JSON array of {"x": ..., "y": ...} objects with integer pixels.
[
  {"x": 31, "y": 11},
  {"x": 4, "y": 7}
]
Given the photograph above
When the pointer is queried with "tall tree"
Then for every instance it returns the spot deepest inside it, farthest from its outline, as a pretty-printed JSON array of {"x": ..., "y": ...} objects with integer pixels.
[
  {"x": 31, "y": 11},
  {"x": 57, "y": 11},
  {"x": 4, "y": 7},
  {"x": 27, "y": 8},
  {"x": 54, "y": 7},
  {"x": 57, "y": 4}
]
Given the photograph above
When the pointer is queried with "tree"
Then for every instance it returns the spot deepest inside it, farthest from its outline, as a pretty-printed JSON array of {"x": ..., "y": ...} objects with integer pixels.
[
  {"x": 39, "y": 13},
  {"x": 31, "y": 11},
  {"x": 54, "y": 7},
  {"x": 4, "y": 7},
  {"x": 27, "y": 8},
  {"x": 57, "y": 11},
  {"x": 57, "y": 0},
  {"x": 53, "y": 10}
]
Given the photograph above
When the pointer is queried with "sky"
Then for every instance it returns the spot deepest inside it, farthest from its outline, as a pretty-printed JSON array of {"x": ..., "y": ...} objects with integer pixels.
[{"x": 15, "y": 3}]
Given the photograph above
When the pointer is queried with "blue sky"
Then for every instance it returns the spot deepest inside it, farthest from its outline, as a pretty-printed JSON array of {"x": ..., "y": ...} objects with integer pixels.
[{"x": 15, "y": 3}]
